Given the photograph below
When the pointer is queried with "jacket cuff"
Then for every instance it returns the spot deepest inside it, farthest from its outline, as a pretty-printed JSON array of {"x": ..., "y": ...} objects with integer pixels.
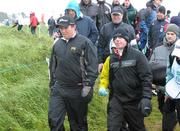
[{"x": 147, "y": 92}]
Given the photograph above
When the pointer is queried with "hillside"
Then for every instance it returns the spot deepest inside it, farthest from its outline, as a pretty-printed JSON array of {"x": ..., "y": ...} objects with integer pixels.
[{"x": 24, "y": 85}]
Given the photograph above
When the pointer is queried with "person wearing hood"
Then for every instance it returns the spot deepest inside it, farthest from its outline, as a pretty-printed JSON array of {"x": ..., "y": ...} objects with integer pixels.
[
  {"x": 33, "y": 23},
  {"x": 84, "y": 24},
  {"x": 126, "y": 75},
  {"x": 107, "y": 31},
  {"x": 159, "y": 61}
]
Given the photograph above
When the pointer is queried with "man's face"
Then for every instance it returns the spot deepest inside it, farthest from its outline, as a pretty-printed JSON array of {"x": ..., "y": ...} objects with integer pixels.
[
  {"x": 127, "y": 3},
  {"x": 120, "y": 42},
  {"x": 158, "y": 2},
  {"x": 160, "y": 16},
  {"x": 86, "y": 2},
  {"x": 170, "y": 37},
  {"x": 71, "y": 13},
  {"x": 68, "y": 32},
  {"x": 116, "y": 18}
]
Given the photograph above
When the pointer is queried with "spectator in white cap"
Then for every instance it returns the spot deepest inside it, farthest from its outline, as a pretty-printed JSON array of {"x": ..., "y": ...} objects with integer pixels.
[{"x": 106, "y": 34}]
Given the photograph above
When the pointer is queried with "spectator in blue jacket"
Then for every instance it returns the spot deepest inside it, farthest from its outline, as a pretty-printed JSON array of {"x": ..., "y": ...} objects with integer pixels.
[
  {"x": 51, "y": 25},
  {"x": 157, "y": 29},
  {"x": 147, "y": 16}
]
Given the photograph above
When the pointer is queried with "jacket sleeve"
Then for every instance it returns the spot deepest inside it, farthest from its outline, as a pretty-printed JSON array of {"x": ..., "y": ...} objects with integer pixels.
[
  {"x": 101, "y": 45},
  {"x": 91, "y": 63},
  {"x": 150, "y": 36},
  {"x": 104, "y": 76},
  {"x": 93, "y": 35},
  {"x": 52, "y": 68},
  {"x": 145, "y": 75}
]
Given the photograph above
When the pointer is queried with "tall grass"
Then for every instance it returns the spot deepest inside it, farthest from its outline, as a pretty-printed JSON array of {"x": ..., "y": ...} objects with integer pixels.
[{"x": 24, "y": 85}]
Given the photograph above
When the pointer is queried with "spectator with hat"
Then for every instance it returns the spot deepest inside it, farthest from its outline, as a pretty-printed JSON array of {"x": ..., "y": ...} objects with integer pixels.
[
  {"x": 157, "y": 29},
  {"x": 172, "y": 98},
  {"x": 126, "y": 75},
  {"x": 85, "y": 25},
  {"x": 107, "y": 31},
  {"x": 73, "y": 71},
  {"x": 159, "y": 61},
  {"x": 125, "y": 11}
]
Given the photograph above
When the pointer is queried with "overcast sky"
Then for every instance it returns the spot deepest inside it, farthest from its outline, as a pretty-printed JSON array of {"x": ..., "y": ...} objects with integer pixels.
[{"x": 55, "y": 7}]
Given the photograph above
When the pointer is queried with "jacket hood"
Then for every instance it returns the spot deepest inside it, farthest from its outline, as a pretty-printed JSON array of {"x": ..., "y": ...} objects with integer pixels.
[
  {"x": 73, "y": 5},
  {"x": 32, "y": 13}
]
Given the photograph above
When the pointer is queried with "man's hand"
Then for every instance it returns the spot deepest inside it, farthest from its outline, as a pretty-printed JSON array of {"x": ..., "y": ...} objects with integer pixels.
[
  {"x": 145, "y": 106},
  {"x": 102, "y": 91},
  {"x": 85, "y": 91}
]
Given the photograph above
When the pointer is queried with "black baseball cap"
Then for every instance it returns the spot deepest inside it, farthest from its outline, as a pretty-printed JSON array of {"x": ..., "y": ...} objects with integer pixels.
[{"x": 65, "y": 21}]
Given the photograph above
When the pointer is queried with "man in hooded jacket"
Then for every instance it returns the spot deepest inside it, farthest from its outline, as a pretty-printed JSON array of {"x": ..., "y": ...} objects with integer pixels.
[{"x": 85, "y": 25}]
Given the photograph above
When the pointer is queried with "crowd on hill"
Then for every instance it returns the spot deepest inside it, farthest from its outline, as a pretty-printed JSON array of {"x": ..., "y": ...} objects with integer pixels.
[{"x": 132, "y": 51}]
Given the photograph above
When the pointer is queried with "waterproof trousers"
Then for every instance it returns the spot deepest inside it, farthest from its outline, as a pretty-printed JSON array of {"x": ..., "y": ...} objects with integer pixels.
[
  {"x": 170, "y": 112},
  {"x": 119, "y": 112},
  {"x": 60, "y": 105}
]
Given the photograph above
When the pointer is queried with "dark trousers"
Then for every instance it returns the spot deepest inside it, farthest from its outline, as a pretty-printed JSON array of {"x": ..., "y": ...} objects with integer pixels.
[
  {"x": 76, "y": 110},
  {"x": 168, "y": 110},
  {"x": 118, "y": 113},
  {"x": 19, "y": 27},
  {"x": 33, "y": 30},
  {"x": 51, "y": 31}
]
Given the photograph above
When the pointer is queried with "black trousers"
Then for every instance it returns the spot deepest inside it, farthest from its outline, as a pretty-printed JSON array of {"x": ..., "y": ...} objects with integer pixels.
[
  {"x": 170, "y": 112},
  {"x": 119, "y": 112},
  {"x": 19, "y": 27},
  {"x": 33, "y": 30},
  {"x": 76, "y": 109}
]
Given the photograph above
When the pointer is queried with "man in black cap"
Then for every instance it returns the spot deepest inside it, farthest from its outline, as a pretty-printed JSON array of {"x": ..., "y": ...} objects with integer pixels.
[
  {"x": 73, "y": 71},
  {"x": 127, "y": 75},
  {"x": 116, "y": 3},
  {"x": 106, "y": 34}
]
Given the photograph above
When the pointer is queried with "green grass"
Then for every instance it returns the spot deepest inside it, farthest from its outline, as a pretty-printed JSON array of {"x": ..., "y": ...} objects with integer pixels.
[{"x": 24, "y": 87}]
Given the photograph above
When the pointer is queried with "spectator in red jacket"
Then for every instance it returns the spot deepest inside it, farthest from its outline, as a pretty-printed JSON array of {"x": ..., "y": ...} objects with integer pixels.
[{"x": 33, "y": 23}]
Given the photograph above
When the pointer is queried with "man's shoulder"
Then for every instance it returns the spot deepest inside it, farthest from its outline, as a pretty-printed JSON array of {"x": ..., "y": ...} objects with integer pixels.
[
  {"x": 82, "y": 38},
  {"x": 85, "y": 19}
]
